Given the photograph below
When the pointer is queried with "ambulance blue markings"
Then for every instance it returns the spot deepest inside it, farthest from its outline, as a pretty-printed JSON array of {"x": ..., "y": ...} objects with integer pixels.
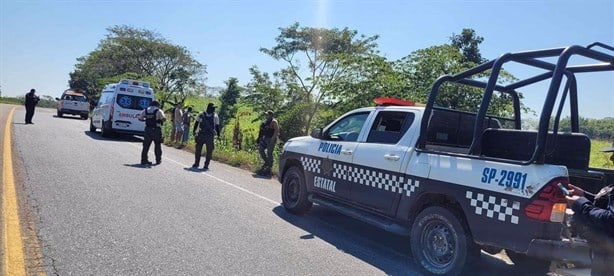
[
  {"x": 505, "y": 178},
  {"x": 330, "y": 148},
  {"x": 324, "y": 183}
]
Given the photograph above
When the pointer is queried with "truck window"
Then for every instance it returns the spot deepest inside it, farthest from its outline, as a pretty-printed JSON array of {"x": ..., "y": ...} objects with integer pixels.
[
  {"x": 348, "y": 128},
  {"x": 390, "y": 126}
]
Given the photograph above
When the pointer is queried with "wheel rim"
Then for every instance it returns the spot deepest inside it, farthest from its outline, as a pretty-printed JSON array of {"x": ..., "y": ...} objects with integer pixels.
[
  {"x": 439, "y": 244},
  {"x": 293, "y": 189}
]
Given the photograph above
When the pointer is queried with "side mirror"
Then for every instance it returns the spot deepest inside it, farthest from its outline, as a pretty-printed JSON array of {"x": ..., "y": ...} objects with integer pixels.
[
  {"x": 316, "y": 133},
  {"x": 57, "y": 99}
]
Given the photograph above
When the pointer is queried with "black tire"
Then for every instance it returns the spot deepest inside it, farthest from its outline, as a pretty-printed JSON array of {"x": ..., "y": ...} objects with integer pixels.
[
  {"x": 84, "y": 117},
  {"x": 92, "y": 127},
  {"x": 60, "y": 114},
  {"x": 104, "y": 131},
  {"x": 294, "y": 192},
  {"x": 526, "y": 263},
  {"x": 439, "y": 242}
]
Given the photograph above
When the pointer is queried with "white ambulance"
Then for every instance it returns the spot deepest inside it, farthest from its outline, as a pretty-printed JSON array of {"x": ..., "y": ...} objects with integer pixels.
[{"x": 119, "y": 106}]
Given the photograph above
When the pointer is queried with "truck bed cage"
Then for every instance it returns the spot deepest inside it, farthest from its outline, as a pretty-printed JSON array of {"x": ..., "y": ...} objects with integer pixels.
[{"x": 595, "y": 52}]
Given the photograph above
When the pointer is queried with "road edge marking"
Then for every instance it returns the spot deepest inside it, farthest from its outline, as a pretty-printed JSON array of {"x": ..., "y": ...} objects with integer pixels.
[{"x": 14, "y": 261}]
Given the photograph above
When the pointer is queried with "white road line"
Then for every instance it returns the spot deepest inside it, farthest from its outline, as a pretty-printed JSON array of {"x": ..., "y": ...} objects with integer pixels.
[{"x": 223, "y": 181}]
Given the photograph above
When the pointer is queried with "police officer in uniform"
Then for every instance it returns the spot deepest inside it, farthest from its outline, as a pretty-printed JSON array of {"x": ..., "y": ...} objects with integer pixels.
[
  {"x": 31, "y": 101},
  {"x": 207, "y": 125},
  {"x": 154, "y": 118},
  {"x": 595, "y": 216}
]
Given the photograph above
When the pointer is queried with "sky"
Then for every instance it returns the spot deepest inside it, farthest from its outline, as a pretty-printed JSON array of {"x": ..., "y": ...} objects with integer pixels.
[{"x": 40, "y": 41}]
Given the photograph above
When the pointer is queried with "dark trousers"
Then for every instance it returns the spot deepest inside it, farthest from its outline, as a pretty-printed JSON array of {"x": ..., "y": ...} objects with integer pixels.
[
  {"x": 152, "y": 134},
  {"x": 207, "y": 140},
  {"x": 602, "y": 263},
  {"x": 29, "y": 113},
  {"x": 266, "y": 147}
]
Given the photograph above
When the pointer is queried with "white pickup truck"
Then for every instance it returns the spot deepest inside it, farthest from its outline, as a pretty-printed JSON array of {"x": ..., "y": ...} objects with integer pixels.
[{"x": 456, "y": 180}]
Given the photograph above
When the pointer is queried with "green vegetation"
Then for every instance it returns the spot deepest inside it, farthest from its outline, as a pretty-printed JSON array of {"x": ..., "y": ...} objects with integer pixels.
[
  {"x": 600, "y": 159},
  {"x": 325, "y": 73}
]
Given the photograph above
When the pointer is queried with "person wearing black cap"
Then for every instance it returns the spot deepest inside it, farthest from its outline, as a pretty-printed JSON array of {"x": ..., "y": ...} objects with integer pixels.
[
  {"x": 595, "y": 216},
  {"x": 267, "y": 137},
  {"x": 207, "y": 125},
  {"x": 31, "y": 101},
  {"x": 154, "y": 118}
]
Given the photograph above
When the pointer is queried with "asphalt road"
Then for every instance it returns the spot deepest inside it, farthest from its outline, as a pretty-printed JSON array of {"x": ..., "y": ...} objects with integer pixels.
[{"x": 95, "y": 211}]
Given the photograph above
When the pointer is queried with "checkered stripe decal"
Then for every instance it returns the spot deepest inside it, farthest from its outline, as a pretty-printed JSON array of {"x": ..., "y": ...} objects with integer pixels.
[
  {"x": 491, "y": 208},
  {"x": 311, "y": 164},
  {"x": 375, "y": 179}
]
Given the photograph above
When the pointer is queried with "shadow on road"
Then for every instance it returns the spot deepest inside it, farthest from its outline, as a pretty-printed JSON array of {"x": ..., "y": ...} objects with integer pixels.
[
  {"x": 388, "y": 252},
  {"x": 139, "y": 165},
  {"x": 75, "y": 117},
  {"x": 116, "y": 137}
]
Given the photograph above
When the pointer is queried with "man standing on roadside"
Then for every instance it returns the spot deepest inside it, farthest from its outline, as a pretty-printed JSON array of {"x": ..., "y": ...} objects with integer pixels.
[
  {"x": 187, "y": 121},
  {"x": 267, "y": 138},
  {"x": 178, "y": 124},
  {"x": 154, "y": 118},
  {"x": 31, "y": 101},
  {"x": 206, "y": 126}
]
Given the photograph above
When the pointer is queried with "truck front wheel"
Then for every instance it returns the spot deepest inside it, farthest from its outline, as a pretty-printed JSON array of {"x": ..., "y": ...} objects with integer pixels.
[
  {"x": 294, "y": 192},
  {"x": 439, "y": 242}
]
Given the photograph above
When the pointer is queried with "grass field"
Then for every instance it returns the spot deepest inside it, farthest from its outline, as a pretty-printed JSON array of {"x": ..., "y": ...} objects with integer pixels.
[{"x": 600, "y": 159}]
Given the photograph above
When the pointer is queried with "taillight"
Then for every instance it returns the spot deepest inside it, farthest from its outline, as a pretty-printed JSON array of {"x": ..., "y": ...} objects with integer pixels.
[
  {"x": 550, "y": 203},
  {"x": 111, "y": 110}
]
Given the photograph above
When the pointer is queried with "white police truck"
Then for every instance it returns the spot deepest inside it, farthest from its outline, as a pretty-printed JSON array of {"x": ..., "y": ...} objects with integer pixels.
[
  {"x": 119, "y": 106},
  {"x": 454, "y": 179}
]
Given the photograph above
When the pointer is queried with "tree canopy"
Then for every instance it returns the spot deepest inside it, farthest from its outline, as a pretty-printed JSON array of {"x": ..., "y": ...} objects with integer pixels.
[{"x": 140, "y": 54}]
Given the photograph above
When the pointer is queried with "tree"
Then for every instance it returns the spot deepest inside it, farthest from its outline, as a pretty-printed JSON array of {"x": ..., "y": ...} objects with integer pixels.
[
  {"x": 321, "y": 51},
  {"x": 229, "y": 99},
  {"x": 468, "y": 43},
  {"x": 263, "y": 93},
  {"x": 143, "y": 54}
]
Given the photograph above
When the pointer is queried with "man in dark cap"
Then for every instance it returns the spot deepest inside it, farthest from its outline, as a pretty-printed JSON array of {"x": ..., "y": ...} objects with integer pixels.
[
  {"x": 154, "y": 118},
  {"x": 595, "y": 214},
  {"x": 207, "y": 125},
  {"x": 267, "y": 138},
  {"x": 31, "y": 101}
]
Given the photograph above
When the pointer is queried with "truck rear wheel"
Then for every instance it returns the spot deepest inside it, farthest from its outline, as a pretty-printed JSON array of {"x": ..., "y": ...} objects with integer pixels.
[
  {"x": 104, "y": 130},
  {"x": 92, "y": 127},
  {"x": 294, "y": 192},
  {"x": 439, "y": 242}
]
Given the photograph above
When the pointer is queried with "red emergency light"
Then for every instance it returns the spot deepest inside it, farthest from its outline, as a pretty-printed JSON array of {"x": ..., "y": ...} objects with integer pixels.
[{"x": 384, "y": 101}]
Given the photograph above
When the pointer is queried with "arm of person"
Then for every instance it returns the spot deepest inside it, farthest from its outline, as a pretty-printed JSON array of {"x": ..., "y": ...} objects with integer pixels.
[
  {"x": 160, "y": 116},
  {"x": 142, "y": 115},
  {"x": 196, "y": 125},
  {"x": 596, "y": 217},
  {"x": 275, "y": 126}
]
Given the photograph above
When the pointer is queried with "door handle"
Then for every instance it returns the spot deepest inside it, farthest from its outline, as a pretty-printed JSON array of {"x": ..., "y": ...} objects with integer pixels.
[
  {"x": 391, "y": 157},
  {"x": 347, "y": 152}
]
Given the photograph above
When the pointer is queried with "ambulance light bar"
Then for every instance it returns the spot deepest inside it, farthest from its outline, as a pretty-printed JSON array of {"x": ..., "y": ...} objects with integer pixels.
[{"x": 385, "y": 101}]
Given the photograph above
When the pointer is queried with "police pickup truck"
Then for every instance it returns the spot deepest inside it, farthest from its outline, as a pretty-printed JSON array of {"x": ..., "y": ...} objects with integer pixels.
[{"x": 457, "y": 180}]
